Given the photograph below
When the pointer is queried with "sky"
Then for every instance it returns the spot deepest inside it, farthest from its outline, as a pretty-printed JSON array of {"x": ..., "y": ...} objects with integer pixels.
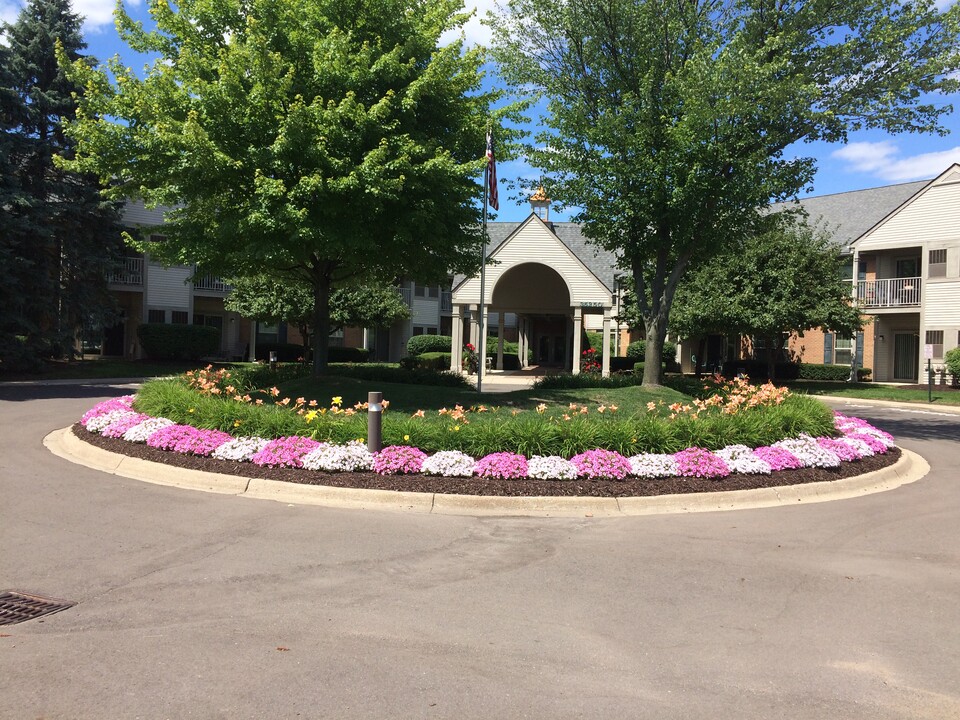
[{"x": 868, "y": 159}]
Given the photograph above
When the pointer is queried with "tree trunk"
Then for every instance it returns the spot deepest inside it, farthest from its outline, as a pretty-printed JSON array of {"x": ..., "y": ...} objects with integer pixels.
[
  {"x": 653, "y": 352},
  {"x": 321, "y": 321},
  {"x": 773, "y": 350},
  {"x": 701, "y": 350}
]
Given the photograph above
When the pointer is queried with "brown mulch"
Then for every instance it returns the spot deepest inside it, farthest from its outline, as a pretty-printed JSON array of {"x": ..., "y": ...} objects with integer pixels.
[{"x": 484, "y": 486}]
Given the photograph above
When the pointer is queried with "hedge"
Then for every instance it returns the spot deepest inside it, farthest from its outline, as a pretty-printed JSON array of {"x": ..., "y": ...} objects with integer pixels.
[
  {"x": 290, "y": 352},
  {"x": 952, "y": 361},
  {"x": 420, "y": 344},
  {"x": 638, "y": 350},
  {"x": 161, "y": 341},
  {"x": 810, "y": 371}
]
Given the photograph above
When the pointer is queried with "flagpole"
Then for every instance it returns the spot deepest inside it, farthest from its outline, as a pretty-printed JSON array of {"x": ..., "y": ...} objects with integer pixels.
[{"x": 481, "y": 344}]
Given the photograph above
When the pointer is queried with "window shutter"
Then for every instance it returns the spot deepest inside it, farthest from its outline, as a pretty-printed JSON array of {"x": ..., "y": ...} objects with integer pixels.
[
  {"x": 859, "y": 349},
  {"x": 827, "y": 348}
]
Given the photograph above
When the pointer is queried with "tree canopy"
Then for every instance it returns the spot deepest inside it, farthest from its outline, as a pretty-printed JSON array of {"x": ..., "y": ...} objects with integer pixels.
[
  {"x": 273, "y": 300},
  {"x": 312, "y": 138},
  {"x": 786, "y": 279},
  {"x": 59, "y": 237},
  {"x": 671, "y": 124}
]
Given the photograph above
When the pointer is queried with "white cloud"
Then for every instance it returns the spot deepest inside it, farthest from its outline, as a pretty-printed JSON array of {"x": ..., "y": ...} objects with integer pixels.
[
  {"x": 881, "y": 159},
  {"x": 96, "y": 13},
  {"x": 474, "y": 31}
]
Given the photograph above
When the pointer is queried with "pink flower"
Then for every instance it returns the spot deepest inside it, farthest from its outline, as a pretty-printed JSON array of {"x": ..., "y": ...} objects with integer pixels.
[
  {"x": 697, "y": 462},
  {"x": 504, "y": 465},
  {"x": 285, "y": 452},
  {"x": 601, "y": 464},
  {"x": 398, "y": 460}
]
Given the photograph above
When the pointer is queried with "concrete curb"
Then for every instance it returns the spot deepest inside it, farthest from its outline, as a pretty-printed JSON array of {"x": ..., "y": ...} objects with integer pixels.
[
  {"x": 63, "y": 443},
  {"x": 915, "y": 406}
]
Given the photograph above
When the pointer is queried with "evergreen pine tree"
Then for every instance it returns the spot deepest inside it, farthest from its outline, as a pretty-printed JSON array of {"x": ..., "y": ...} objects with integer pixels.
[{"x": 59, "y": 237}]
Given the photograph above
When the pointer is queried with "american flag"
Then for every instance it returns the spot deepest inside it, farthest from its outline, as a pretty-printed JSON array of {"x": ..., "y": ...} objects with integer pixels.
[{"x": 492, "y": 197}]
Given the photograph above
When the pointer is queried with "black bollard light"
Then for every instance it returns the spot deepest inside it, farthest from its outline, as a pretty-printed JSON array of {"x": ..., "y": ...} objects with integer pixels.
[{"x": 374, "y": 421}]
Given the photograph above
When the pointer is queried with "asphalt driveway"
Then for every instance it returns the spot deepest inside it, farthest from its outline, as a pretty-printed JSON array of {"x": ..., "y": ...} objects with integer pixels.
[{"x": 194, "y": 605}]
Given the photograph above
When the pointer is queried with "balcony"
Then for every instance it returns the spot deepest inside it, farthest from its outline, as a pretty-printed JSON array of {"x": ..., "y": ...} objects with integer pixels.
[
  {"x": 130, "y": 273},
  {"x": 210, "y": 284},
  {"x": 405, "y": 294},
  {"x": 889, "y": 293},
  {"x": 446, "y": 301}
]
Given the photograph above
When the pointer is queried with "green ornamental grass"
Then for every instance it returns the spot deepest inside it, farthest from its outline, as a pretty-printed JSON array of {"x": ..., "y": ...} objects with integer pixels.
[{"x": 561, "y": 427}]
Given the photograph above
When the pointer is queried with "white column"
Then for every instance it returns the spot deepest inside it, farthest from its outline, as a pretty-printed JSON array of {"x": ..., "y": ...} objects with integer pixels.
[
  {"x": 500, "y": 340},
  {"x": 606, "y": 343},
  {"x": 482, "y": 345},
  {"x": 577, "y": 330},
  {"x": 456, "y": 340},
  {"x": 475, "y": 326},
  {"x": 253, "y": 341},
  {"x": 522, "y": 341}
]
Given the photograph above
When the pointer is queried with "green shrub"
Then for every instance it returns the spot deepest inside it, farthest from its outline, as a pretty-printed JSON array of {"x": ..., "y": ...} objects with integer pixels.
[
  {"x": 347, "y": 355},
  {"x": 161, "y": 341},
  {"x": 409, "y": 375},
  {"x": 439, "y": 361},
  {"x": 286, "y": 352},
  {"x": 419, "y": 344},
  {"x": 499, "y": 430},
  {"x": 952, "y": 361},
  {"x": 811, "y": 371},
  {"x": 637, "y": 350},
  {"x": 757, "y": 370}
]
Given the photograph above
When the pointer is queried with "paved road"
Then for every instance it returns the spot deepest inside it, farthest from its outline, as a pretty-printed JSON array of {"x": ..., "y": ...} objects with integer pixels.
[{"x": 193, "y": 605}]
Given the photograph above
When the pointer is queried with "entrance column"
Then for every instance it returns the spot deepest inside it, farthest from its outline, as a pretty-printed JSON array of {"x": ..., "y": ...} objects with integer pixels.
[
  {"x": 605, "y": 370},
  {"x": 482, "y": 344},
  {"x": 500, "y": 340},
  {"x": 456, "y": 341},
  {"x": 475, "y": 326},
  {"x": 522, "y": 341},
  {"x": 577, "y": 330}
]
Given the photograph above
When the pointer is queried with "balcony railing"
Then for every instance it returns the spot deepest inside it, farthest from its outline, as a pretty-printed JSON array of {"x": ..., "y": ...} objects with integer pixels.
[
  {"x": 130, "y": 273},
  {"x": 210, "y": 283},
  {"x": 405, "y": 294},
  {"x": 446, "y": 301},
  {"x": 891, "y": 292}
]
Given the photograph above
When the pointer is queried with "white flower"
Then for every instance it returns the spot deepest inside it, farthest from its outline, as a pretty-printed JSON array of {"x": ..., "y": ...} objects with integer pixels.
[
  {"x": 98, "y": 423},
  {"x": 449, "y": 463},
  {"x": 654, "y": 465},
  {"x": 551, "y": 467},
  {"x": 240, "y": 449},
  {"x": 351, "y": 457},
  {"x": 859, "y": 446},
  {"x": 140, "y": 433},
  {"x": 809, "y": 452}
]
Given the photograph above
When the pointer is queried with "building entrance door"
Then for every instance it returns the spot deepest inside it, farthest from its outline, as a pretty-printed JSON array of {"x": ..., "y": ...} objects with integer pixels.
[{"x": 906, "y": 353}]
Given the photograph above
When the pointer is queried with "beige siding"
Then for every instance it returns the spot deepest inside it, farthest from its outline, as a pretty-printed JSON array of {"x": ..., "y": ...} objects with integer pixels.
[
  {"x": 533, "y": 242},
  {"x": 168, "y": 287},
  {"x": 134, "y": 213},
  {"x": 942, "y": 305},
  {"x": 931, "y": 218},
  {"x": 425, "y": 311}
]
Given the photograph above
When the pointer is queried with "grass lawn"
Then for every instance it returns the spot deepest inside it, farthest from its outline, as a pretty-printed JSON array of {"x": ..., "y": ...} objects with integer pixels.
[
  {"x": 410, "y": 398},
  {"x": 873, "y": 391}
]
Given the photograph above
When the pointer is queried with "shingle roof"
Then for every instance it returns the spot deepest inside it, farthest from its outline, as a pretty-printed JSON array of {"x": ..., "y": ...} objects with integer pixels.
[
  {"x": 848, "y": 215},
  {"x": 600, "y": 262}
]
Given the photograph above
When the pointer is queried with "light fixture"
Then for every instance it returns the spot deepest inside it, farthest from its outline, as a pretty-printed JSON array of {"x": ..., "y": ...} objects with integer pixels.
[{"x": 880, "y": 338}]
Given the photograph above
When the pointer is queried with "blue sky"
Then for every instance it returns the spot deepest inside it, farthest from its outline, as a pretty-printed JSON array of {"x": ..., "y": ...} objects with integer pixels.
[{"x": 869, "y": 159}]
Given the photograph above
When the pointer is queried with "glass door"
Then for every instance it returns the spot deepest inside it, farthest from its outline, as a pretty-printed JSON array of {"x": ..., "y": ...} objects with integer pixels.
[{"x": 906, "y": 354}]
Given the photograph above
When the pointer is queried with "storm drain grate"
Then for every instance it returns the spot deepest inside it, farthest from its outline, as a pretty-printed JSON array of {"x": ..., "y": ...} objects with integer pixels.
[{"x": 19, "y": 607}]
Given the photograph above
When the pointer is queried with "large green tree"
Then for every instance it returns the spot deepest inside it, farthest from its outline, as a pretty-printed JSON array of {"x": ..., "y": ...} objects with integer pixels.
[
  {"x": 275, "y": 300},
  {"x": 59, "y": 238},
  {"x": 318, "y": 138},
  {"x": 670, "y": 124},
  {"x": 785, "y": 279}
]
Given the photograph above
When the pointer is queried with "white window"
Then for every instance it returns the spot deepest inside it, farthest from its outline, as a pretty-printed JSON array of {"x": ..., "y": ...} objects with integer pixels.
[
  {"x": 938, "y": 263},
  {"x": 935, "y": 338}
]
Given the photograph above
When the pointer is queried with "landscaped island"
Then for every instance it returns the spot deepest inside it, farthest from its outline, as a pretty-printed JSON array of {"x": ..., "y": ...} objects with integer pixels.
[{"x": 734, "y": 435}]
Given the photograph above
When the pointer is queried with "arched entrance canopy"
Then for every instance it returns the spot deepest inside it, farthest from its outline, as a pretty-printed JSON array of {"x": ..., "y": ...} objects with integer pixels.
[{"x": 534, "y": 276}]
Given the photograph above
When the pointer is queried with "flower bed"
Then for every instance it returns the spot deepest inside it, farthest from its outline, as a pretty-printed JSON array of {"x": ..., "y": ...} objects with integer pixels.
[{"x": 856, "y": 440}]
